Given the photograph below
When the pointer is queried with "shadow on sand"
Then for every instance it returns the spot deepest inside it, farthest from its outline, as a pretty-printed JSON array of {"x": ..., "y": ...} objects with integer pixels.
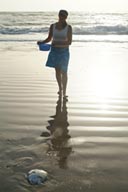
[{"x": 59, "y": 133}]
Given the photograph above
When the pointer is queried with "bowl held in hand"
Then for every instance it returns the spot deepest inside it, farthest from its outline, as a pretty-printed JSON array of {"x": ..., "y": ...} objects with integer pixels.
[{"x": 44, "y": 47}]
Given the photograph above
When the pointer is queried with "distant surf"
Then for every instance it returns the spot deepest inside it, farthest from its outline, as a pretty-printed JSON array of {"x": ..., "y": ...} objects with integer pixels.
[{"x": 26, "y": 26}]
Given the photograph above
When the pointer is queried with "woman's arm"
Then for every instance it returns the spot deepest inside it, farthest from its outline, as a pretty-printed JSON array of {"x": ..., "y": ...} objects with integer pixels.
[
  {"x": 69, "y": 41},
  {"x": 48, "y": 39}
]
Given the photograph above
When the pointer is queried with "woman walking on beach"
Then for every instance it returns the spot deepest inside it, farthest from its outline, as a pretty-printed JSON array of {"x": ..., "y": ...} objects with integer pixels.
[{"x": 60, "y": 33}]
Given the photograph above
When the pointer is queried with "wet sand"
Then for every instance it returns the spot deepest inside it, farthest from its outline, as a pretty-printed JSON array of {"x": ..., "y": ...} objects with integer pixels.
[{"x": 82, "y": 143}]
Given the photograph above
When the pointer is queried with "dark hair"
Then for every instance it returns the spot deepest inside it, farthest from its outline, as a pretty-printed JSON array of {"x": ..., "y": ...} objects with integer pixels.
[{"x": 63, "y": 12}]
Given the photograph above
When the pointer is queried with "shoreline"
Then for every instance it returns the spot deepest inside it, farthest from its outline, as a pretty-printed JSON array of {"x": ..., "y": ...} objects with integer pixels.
[{"x": 87, "y": 146}]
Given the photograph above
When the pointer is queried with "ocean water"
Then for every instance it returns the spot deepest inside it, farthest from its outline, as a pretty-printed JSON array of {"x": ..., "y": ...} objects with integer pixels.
[
  {"x": 103, "y": 35},
  {"x": 87, "y": 27},
  {"x": 100, "y": 49},
  {"x": 88, "y": 147}
]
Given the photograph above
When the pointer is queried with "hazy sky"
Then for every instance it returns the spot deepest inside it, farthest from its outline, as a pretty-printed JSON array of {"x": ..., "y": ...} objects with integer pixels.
[{"x": 70, "y": 5}]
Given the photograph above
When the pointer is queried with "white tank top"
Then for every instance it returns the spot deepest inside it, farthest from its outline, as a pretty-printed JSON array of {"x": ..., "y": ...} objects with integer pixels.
[{"x": 60, "y": 35}]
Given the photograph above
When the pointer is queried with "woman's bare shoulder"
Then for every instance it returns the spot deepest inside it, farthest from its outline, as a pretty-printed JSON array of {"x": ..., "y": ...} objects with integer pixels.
[{"x": 69, "y": 27}]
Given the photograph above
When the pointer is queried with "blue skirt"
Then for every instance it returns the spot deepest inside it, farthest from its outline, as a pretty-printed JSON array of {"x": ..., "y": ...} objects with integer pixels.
[{"x": 58, "y": 58}]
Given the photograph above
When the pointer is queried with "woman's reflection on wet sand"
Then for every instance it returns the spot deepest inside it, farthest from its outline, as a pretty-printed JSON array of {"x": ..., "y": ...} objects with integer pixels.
[{"x": 58, "y": 127}]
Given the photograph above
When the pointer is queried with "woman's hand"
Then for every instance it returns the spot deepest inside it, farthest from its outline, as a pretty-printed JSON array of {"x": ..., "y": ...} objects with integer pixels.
[{"x": 39, "y": 42}]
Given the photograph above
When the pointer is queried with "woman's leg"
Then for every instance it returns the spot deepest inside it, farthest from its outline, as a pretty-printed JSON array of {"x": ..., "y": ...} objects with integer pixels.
[
  {"x": 64, "y": 82},
  {"x": 58, "y": 78}
]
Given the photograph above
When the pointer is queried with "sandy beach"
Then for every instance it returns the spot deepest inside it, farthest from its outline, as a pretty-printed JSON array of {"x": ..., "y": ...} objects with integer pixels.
[{"x": 82, "y": 143}]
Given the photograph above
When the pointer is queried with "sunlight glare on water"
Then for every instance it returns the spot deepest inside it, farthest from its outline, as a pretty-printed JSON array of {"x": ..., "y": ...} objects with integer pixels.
[
  {"x": 100, "y": 71},
  {"x": 104, "y": 80}
]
